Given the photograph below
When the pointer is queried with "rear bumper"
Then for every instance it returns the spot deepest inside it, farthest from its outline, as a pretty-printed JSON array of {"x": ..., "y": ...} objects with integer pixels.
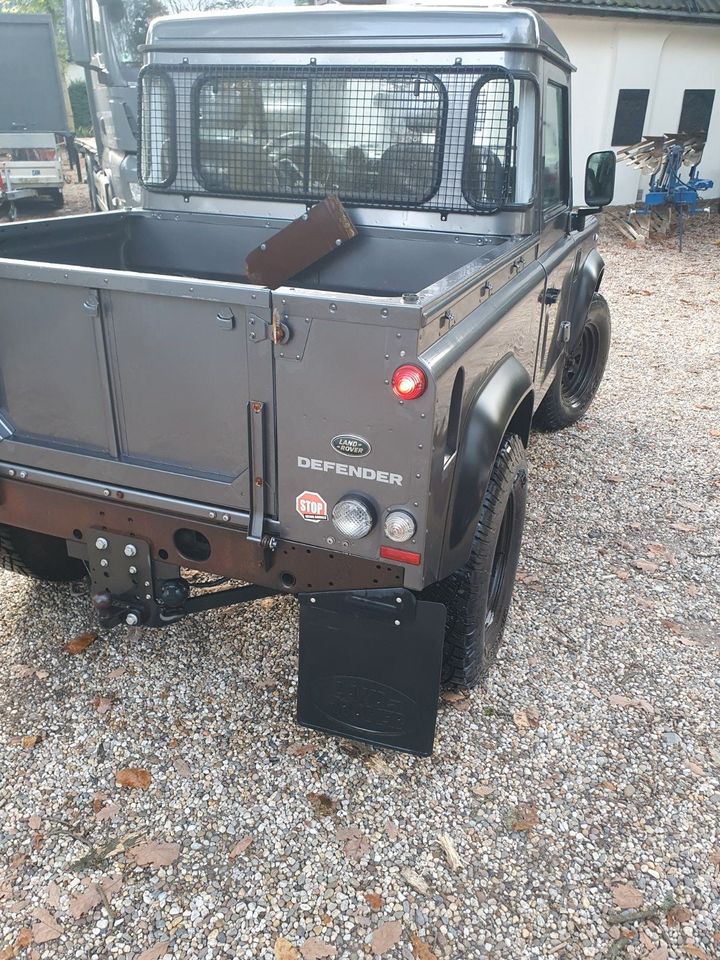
[{"x": 278, "y": 564}]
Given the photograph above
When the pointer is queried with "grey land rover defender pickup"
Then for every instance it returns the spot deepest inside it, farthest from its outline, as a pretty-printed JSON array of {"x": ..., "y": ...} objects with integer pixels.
[{"x": 355, "y": 435}]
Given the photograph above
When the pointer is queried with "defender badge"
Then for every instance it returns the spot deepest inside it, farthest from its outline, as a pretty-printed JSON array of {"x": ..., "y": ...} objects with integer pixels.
[{"x": 350, "y": 446}]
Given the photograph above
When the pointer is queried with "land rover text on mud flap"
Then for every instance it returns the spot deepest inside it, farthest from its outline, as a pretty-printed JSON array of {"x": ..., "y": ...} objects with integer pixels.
[{"x": 354, "y": 434}]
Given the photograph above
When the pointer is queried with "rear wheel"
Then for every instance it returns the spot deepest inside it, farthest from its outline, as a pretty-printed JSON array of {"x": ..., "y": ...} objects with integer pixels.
[
  {"x": 478, "y": 595},
  {"x": 577, "y": 381},
  {"x": 56, "y": 199},
  {"x": 38, "y": 555}
]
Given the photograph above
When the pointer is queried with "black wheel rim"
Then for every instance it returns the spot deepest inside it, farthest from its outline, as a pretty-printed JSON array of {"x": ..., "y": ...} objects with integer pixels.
[
  {"x": 500, "y": 562},
  {"x": 578, "y": 378}
]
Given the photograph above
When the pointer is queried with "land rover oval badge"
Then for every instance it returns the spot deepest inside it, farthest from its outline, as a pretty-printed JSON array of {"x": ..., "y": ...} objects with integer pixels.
[{"x": 350, "y": 446}]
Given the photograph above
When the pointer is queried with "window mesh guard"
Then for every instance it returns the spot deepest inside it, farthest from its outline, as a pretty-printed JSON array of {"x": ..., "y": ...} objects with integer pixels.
[{"x": 406, "y": 137}]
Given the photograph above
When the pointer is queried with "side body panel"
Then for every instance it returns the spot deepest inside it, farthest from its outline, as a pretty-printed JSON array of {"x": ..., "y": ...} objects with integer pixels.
[{"x": 494, "y": 347}]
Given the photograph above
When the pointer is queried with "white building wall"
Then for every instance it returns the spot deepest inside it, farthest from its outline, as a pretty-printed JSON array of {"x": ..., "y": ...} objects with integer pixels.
[{"x": 666, "y": 58}]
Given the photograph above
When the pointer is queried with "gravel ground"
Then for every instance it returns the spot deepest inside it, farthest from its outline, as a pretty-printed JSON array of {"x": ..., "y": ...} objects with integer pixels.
[{"x": 571, "y": 810}]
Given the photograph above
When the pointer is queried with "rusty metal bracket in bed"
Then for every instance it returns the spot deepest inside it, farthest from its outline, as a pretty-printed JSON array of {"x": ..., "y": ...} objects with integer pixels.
[{"x": 256, "y": 432}]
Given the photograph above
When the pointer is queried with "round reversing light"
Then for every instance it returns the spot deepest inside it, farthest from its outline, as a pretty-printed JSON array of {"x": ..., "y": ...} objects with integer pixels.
[
  {"x": 408, "y": 382},
  {"x": 353, "y": 518},
  {"x": 399, "y": 526}
]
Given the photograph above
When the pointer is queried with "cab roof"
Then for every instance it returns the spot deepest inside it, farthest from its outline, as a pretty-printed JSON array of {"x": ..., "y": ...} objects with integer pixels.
[{"x": 357, "y": 28}]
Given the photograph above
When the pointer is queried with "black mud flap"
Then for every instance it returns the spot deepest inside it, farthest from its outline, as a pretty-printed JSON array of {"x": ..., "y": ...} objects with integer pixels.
[{"x": 370, "y": 663}]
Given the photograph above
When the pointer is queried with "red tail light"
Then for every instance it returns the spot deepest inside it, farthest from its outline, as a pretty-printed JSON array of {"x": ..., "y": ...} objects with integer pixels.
[
  {"x": 401, "y": 556},
  {"x": 409, "y": 382}
]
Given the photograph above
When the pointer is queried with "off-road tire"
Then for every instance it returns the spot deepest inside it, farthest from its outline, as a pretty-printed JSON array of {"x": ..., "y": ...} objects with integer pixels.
[
  {"x": 38, "y": 555},
  {"x": 577, "y": 380},
  {"x": 56, "y": 199},
  {"x": 477, "y": 596}
]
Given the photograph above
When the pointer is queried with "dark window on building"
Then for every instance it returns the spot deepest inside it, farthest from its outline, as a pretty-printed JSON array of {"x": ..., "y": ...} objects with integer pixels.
[
  {"x": 630, "y": 117},
  {"x": 696, "y": 111}
]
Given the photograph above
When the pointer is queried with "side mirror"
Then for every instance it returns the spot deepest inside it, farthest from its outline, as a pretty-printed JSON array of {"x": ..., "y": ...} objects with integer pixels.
[
  {"x": 77, "y": 33},
  {"x": 600, "y": 178}
]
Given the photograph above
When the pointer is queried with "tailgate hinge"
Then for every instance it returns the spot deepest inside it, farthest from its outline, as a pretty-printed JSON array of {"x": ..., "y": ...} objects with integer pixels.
[{"x": 256, "y": 433}]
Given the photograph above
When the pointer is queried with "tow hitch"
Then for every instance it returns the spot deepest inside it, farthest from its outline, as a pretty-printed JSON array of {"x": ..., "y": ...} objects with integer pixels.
[{"x": 129, "y": 587}]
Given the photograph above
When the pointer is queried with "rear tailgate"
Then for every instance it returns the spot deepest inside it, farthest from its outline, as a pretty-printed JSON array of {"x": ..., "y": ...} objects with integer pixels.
[{"x": 137, "y": 381}]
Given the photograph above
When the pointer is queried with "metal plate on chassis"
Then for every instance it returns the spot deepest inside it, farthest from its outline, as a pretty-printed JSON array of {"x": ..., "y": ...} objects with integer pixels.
[
  {"x": 370, "y": 665},
  {"x": 120, "y": 564}
]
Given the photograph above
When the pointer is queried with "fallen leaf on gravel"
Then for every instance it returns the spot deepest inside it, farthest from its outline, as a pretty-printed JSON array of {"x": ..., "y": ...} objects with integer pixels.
[
  {"x": 34, "y": 822},
  {"x": 694, "y": 505},
  {"x": 182, "y": 767},
  {"x": 154, "y": 854},
  {"x": 284, "y": 950},
  {"x": 29, "y": 741},
  {"x": 299, "y": 749},
  {"x": 391, "y": 830},
  {"x": 626, "y": 896},
  {"x": 385, "y": 937},
  {"x": 714, "y": 857},
  {"x": 450, "y": 850},
  {"x": 659, "y": 953},
  {"x": 415, "y": 880},
  {"x": 527, "y": 719},
  {"x": 421, "y": 951},
  {"x": 695, "y": 768},
  {"x": 355, "y": 844},
  {"x": 316, "y": 949},
  {"x": 524, "y": 817},
  {"x": 117, "y": 673},
  {"x": 452, "y": 696},
  {"x": 621, "y": 574},
  {"x": 133, "y": 778},
  {"x": 614, "y": 621},
  {"x": 102, "y": 704},
  {"x": 645, "y": 566},
  {"x": 672, "y": 626},
  {"x": 677, "y": 916},
  {"x": 240, "y": 847},
  {"x": 24, "y": 938},
  {"x": 377, "y": 764},
  {"x": 615, "y": 478},
  {"x": 660, "y": 551},
  {"x": 692, "y": 951},
  {"x": 91, "y": 897},
  {"x": 80, "y": 643},
  {"x": 42, "y": 674},
  {"x": 617, "y": 700},
  {"x": 374, "y": 901},
  {"x": 46, "y": 928},
  {"x": 107, "y": 812},
  {"x": 483, "y": 790},
  {"x": 322, "y": 804},
  {"x": 155, "y": 952},
  {"x": 715, "y": 433},
  {"x": 52, "y": 895},
  {"x": 685, "y": 527}
]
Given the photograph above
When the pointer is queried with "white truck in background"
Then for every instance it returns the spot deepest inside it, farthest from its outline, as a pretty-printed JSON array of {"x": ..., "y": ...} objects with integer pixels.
[{"x": 33, "y": 110}]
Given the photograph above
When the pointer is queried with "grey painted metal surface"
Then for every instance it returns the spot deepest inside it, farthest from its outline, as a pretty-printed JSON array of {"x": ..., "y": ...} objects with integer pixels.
[
  {"x": 32, "y": 96},
  {"x": 145, "y": 383}
]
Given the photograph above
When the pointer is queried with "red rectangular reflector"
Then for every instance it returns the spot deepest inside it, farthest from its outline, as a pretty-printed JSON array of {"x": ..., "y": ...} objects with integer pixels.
[{"x": 402, "y": 556}]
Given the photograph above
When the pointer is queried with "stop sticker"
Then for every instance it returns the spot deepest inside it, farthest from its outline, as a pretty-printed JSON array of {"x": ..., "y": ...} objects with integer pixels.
[{"x": 311, "y": 506}]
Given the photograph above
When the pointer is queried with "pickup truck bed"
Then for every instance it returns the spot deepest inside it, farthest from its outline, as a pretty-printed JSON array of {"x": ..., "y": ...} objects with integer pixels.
[{"x": 379, "y": 262}]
